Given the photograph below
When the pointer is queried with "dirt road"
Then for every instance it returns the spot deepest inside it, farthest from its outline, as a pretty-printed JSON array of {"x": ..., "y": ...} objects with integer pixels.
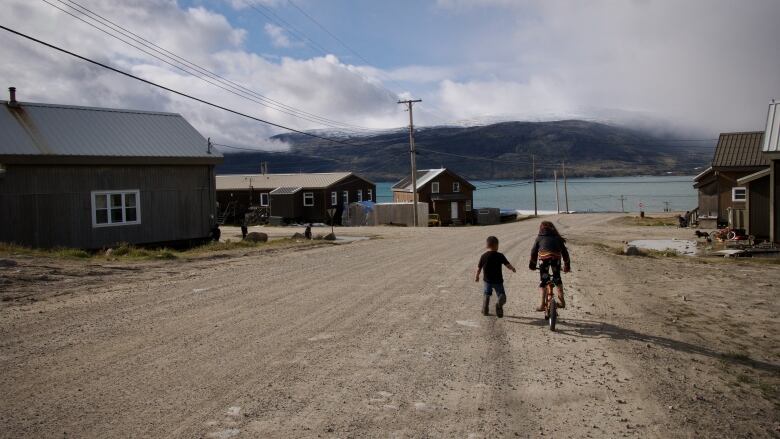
[{"x": 383, "y": 338}]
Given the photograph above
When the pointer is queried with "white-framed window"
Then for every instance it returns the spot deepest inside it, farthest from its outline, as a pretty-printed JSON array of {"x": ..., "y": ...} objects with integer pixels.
[
  {"x": 116, "y": 208},
  {"x": 468, "y": 206},
  {"x": 370, "y": 195},
  {"x": 334, "y": 198},
  {"x": 360, "y": 195},
  {"x": 456, "y": 186},
  {"x": 264, "y": 199},
  {"x": 435, "y": 187},
  {"x": 346, "y": 197},
  {"x": 738, "y": 194},
  {"x": 308, "y": 199}
]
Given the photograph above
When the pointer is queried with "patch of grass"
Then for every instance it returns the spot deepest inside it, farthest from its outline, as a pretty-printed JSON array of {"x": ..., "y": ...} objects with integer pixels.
[
  {"x": 72, "y": 253},
  {"x": 59, "y": 252},
  {"x": 648, "y": 221},
  {"x": 668, "y": 253},
  {"x": 613, "y": 249},
  {"x": 126, "y": 251}
]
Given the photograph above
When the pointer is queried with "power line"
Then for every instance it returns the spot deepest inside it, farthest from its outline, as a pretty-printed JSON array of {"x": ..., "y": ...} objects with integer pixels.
[
  {"x": 337, "y": 39},
  {"x": 286, "y": 25},
  {"x": 223, "y": 83},
  {"x": 170, "y": 90}
]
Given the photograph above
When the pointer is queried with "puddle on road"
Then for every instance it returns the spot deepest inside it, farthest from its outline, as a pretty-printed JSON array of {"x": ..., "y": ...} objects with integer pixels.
[{"x": 685, "y": 247}]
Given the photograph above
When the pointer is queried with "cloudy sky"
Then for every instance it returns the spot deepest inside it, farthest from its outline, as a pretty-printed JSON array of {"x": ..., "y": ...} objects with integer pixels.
[{"x": 696, "y": 67}]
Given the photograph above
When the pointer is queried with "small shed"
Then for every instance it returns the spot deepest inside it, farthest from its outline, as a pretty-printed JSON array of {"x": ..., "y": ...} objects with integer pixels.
[
  {"x": 757, "y": 203},
  {"x": 284, "y": 200},
  {"x": 446, "y": 193},
  {"x": 88, "y": 177}
]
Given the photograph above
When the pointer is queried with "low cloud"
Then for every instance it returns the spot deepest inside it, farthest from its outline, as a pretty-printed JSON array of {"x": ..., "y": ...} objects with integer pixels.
[{"x": 320, "y": 86}]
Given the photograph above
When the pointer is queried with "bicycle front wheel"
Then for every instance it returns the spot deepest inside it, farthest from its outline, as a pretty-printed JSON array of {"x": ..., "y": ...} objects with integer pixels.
[{"x": 553, "y": 315}]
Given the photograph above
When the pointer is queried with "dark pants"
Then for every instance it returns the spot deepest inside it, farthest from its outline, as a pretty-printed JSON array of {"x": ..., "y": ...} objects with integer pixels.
[
  {"x": 545, "y": 267},
  {"x": 498, "y": 287}
]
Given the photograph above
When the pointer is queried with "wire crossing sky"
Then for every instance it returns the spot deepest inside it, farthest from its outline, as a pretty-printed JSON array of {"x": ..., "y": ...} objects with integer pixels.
[{"x": 654, "y": 64}]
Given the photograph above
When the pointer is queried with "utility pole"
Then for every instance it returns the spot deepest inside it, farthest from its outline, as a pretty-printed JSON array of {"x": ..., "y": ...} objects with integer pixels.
[
  {"x": 409, "y": 103},
  {"x": 622, "y": 207},
  {"x": 533, "y": 171},
  {"x": 557, "y": 198},
  {"x": 565, "y": 186}
]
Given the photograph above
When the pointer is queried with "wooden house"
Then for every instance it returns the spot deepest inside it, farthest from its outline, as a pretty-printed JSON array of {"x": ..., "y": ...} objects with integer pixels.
[
  {"x": 771, "y": 150},
  {"x": 94, "y": 177},
  {"x": 292, "y": 197},
  {"x": 722, "y": 201},
  {"x": 447, "y": 194}
]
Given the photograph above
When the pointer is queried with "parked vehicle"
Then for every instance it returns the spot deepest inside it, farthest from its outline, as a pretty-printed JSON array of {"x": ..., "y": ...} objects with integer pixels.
[{"x": 434, "y": 220}]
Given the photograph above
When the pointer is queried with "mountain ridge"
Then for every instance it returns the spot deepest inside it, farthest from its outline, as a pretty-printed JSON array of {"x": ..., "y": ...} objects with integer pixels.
[{"x": 501, "y": 150}]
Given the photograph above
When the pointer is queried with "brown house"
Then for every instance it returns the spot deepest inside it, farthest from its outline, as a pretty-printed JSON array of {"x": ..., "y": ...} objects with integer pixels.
[
  {"x": 446, "y": 193},
  {"x": 292, "y": 197},
  {"x": 722, "y": 200}
]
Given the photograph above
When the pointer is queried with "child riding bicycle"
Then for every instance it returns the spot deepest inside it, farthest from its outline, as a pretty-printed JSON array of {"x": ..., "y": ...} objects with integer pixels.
[{"x": 549, "y": 248}]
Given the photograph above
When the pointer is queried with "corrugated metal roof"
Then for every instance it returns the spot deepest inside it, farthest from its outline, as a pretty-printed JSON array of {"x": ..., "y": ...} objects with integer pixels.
[
  {"x": 285, "y": 190},
  {"x": 273, "y": 181},
  {"x": 37, "y": 130},
  {"x": 423, "y": 177},
  {"x": 739, "y": 150},
  {"x": 772, "y": 132}
]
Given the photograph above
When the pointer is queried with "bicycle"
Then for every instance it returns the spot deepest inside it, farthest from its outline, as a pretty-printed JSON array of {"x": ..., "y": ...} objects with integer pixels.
[{"x": 550, "y": 304}]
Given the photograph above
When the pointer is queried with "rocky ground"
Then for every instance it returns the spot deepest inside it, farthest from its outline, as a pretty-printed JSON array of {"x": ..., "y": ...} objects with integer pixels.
[{"x": 383, "y": 338}]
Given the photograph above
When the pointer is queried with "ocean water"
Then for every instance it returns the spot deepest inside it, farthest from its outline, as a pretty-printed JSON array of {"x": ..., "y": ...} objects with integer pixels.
[{"x": 656, "y": 194}]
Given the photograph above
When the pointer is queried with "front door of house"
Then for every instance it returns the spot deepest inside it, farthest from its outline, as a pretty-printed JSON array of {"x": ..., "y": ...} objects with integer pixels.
[{"x": 454, "y": 208}]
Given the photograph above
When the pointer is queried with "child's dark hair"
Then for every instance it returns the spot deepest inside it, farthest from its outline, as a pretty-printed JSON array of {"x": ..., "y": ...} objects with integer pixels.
[
  {"x": 549, "y": 227},
  {"x": 492, "y": 241}
]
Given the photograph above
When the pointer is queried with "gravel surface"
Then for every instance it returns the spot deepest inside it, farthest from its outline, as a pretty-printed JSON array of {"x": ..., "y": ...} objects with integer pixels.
[{"x": 384, "y": 338}]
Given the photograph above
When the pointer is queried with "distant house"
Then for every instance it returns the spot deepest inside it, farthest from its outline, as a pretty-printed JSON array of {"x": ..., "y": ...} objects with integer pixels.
[
  {"x": 93, "y": 177},
  {"x": 722, "y": 200},
  {"x": 446, "y": 193},
  {"x": 771, "y": 150},
  {"x": 293, "y": 197}
]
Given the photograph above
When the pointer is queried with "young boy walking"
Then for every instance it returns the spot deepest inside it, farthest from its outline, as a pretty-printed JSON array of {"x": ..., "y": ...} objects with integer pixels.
[{"x": 491, "y": 262}]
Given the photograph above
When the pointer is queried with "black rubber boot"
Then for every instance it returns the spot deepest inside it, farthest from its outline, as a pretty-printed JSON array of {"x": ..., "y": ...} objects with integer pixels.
[
  {"x": 500, "y": 306},
  {"x": 562, "y": 303},
  {"x": 486, "y": 306}
]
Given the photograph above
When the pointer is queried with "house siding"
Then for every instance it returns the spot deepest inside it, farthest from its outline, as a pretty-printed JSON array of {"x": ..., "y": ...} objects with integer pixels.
[
  {"x": 758, "y": 217},
  {"x": 51, "y": 206}
]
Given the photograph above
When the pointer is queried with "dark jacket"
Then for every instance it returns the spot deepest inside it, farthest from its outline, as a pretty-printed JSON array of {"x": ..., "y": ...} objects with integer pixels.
[{"x": 549, "y": 246}]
